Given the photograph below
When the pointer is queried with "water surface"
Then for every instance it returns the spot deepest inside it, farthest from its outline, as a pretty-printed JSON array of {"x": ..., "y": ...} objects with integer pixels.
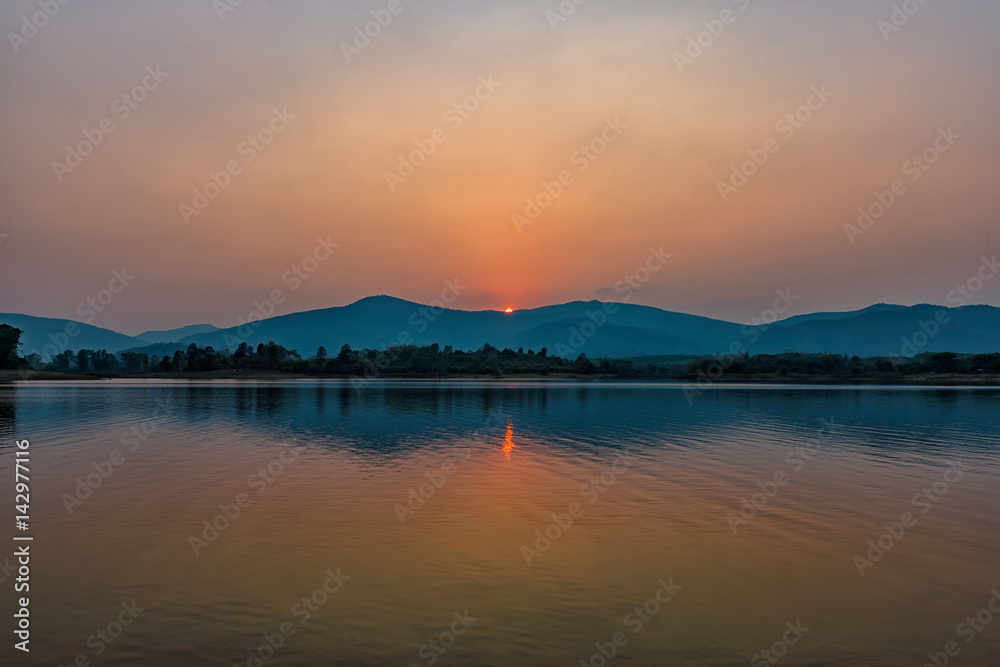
[{"x": 656, "y": 477}]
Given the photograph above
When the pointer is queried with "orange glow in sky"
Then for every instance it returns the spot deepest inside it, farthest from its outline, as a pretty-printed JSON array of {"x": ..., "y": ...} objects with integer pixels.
[
  {"x": 509, "y": 311},
  {"x": 352, "y": 122}
]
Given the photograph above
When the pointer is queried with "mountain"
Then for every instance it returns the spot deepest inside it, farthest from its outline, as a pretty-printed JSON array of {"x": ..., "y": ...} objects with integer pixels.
[
  {"x": 809, "y": 317},
  {"x": 49, "y": 336},
  {"x": 174, "y": 335},
  {"x": 565, "y": 329},
  {"x": 628, "y": 330},
  {"x": 886, "y": 330}
]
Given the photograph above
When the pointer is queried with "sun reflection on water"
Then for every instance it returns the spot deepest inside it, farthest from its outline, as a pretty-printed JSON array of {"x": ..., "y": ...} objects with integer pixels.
[{"x": 508, "y": 445}]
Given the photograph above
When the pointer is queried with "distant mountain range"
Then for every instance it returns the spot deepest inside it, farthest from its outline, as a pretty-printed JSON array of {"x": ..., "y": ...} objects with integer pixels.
[
  {"x": 565, "y": 330},
  {"x": 174, "y": 335}
]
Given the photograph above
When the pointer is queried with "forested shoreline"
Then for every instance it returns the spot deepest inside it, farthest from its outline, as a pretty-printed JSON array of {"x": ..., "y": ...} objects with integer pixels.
[{"x": 434, "y": 361}]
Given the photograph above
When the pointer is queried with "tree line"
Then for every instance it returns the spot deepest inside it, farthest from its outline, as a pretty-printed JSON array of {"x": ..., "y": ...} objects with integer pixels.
[
  {"x": 434, "y": 360},
  {"x": 796, "y": 363},
  {"x": 425, "y": 360}
]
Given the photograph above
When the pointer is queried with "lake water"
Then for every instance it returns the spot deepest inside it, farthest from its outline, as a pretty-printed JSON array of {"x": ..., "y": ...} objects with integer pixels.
[{"x": 335, "y": 545}]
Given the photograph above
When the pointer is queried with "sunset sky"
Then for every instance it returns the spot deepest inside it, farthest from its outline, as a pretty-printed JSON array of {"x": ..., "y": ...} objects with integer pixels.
[{"x": 546, "y": 88}]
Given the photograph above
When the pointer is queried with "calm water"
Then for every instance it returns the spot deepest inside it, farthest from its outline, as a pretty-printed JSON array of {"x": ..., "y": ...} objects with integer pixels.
[{"x": 650, "y": 477}]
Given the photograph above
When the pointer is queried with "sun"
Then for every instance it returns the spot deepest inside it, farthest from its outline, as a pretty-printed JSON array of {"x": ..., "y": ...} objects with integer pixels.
[{"x": 509, "y": 311}]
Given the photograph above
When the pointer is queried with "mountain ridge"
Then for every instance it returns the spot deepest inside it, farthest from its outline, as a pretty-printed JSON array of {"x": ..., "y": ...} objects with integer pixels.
[{"x": 596, "y": 328}]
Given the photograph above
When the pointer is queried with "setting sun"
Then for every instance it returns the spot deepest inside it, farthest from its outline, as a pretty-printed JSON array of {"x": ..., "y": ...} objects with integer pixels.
[{"x": 509, "y": 311}]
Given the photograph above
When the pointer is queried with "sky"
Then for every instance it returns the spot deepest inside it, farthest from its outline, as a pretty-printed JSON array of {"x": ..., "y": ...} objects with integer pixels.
[{"x": 587, "y": 141}]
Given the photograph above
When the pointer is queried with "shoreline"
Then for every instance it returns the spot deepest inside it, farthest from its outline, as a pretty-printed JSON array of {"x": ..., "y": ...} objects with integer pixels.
[{"x": 870, "y": 379}]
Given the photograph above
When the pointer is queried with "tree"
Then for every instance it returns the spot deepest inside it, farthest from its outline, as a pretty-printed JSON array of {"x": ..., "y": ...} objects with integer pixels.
[
  {"x": 10, "y": 342},
  {"x": 82, "y": 360},
  {"x": 945, "y": 362},
  {"x": 242, "y": 351},
  {"x": 987, "y": 363},
  {"x": 62, "y": 360},
  {"x": 193, "y": 356},
  {"x": 103, "y": 361},
  {"x": 275, "y": 357},
  {"x": 135, "y": 362},
  {"x": 584, "y": 365},
  {"x": 321, "y": 354}
]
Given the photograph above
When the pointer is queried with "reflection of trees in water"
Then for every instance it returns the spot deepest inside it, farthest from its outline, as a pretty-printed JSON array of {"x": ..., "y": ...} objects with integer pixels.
[
  {"x": 374, "y": 418},
  {"x": 358, "y": 401},
  {"x": 272, "y": 400},
  {"x": 321, "y": 392},
  {"x": 8, "y": 409}
]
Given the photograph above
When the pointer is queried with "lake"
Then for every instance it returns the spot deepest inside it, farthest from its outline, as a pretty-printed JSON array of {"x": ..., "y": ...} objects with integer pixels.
[{"x": 505, "y": 523}]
